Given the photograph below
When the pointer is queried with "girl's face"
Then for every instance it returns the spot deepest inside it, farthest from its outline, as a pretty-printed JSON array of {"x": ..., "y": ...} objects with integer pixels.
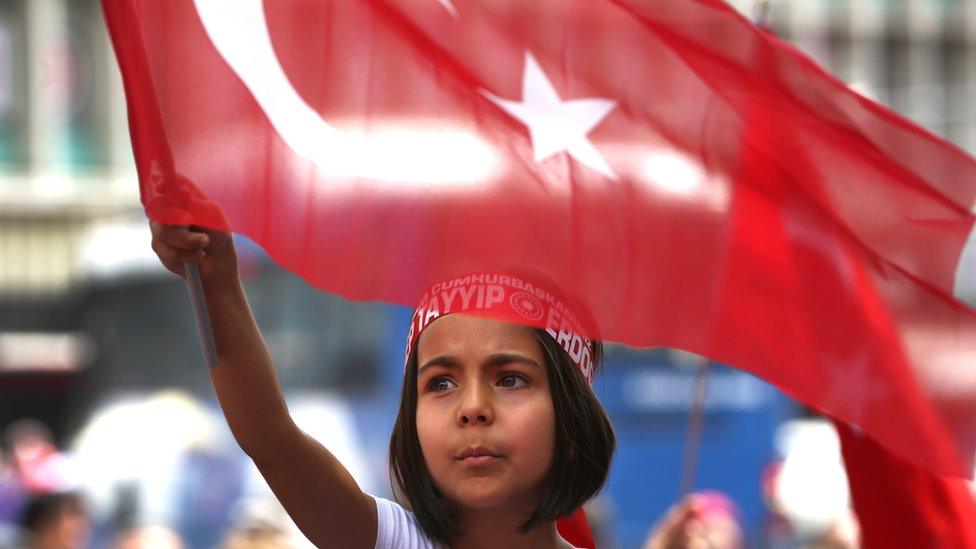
[{"x": 484, "y": 413}]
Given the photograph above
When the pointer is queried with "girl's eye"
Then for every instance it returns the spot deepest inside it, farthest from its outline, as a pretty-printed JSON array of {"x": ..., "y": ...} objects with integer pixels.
[
  {"x": 513, "y": 381},
  {"x": 439, "y": 384}
]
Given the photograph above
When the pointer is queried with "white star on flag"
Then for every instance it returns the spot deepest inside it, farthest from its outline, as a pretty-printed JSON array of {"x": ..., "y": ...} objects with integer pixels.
[{"x": 556, "y": 125}]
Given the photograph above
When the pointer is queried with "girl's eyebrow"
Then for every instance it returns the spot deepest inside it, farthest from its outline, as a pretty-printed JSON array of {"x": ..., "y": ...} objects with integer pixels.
[
  {"x": 445, "y": 361},
  {"x": 493, "y": 361},
  {"x": 499, "y": 359}
]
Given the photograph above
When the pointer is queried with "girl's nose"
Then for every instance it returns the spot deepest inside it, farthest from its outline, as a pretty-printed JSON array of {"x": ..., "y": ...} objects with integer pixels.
[
  {"x": 476, "y": 408},
  {"x": 480, "y": 418}
]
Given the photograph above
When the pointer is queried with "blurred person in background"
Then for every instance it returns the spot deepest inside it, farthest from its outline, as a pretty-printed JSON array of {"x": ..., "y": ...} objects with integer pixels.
[
  {"x": 703, "y": 520},
  {"x": 30, "y": 467},
  {"x": 12, "y": 493},
  {"x": 209, "y": 482},
  {"x": 56, "y": 521},
  {"x": 257, "y": 538},
  {"x": 843, "y": 533},
  {"x": 806, "y": 492},
  {"x": 148, "y": 537},
  {"x": 259, "y": 523},
  {"x": 777, "y": 531},
  {"x": 35, "y": 461},
  {"x": 846, "y": 491},
  {"x": 154, "y": 458},
  {"x": 12, "y": 497}
]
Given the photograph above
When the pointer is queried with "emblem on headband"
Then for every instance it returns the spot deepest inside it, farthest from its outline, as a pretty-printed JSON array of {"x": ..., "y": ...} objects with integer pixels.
[{"x": 527, "y": 305}]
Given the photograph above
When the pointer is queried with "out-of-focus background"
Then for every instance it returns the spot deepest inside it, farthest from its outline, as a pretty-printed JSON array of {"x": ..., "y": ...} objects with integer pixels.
[{"x": 103, "y": 391}]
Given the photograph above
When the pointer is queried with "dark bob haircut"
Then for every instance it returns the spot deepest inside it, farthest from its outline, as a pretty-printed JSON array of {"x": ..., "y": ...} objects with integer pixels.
[{"x": 583, "y": 448}]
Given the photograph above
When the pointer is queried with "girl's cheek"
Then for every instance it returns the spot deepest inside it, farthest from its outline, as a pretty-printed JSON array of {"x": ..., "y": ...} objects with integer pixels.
[
  {"x": 433, "y": 411},
  {"x": 514, "y": 398},
  {"x": 529, "y": 395},
  {"x": 429, "y": 432}
]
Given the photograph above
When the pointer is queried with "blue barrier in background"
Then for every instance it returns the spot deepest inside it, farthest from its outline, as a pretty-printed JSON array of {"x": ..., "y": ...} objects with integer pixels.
[{"x": 648, "y": 398}]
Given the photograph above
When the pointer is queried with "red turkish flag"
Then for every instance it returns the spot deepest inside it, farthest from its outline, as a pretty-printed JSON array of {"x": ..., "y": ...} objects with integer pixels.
[{"x": 694, "y": 181}]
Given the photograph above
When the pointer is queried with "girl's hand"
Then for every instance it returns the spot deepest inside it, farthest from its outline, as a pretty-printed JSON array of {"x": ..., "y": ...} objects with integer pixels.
[{"x": 212, "y": 250}]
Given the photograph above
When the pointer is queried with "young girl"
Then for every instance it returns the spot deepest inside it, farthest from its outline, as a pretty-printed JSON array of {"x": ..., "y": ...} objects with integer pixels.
[{"x": 498, "y": 434}]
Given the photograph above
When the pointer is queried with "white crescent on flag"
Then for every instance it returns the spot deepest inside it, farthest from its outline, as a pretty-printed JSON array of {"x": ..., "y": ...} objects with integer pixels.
[
  {"x": 437, "y": 156},
  {"x": 239, "y": 32}
]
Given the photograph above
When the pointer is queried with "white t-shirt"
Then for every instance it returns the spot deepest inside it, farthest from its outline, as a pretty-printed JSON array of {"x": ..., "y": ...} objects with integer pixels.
[{"x": 398, "y": 529}]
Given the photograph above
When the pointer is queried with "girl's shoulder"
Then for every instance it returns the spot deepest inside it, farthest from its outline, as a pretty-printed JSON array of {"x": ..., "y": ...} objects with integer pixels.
[{"x": 397, "y": 528}]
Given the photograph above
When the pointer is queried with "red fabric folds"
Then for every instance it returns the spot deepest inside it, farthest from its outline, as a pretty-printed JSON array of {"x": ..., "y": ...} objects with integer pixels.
[
  {"x": 899, "y": 504},
  {"x": 690, "y": 179}
]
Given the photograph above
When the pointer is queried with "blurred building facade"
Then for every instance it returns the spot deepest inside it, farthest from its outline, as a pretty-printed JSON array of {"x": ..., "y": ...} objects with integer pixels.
[
  {"x": 65, "y": 167},
  {"x": 918, "y": 57},
  {"x": 65, "y": 161}
]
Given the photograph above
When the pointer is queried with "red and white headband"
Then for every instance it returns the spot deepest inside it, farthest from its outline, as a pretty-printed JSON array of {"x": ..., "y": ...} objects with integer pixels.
[{"x": 509, "y": 299}]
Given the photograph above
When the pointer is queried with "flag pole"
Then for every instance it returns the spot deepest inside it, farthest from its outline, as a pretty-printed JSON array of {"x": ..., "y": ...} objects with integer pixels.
[
  {"x": 693, "y": 434},
  {"x": 194, "y": 286},
  {"x": 696, "y": 416}
]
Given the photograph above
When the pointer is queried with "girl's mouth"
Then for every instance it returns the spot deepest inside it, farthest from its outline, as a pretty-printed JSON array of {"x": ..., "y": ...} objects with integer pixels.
[
  {"x": 478, "y": 456},
  {"x": 479, "y": 460}
]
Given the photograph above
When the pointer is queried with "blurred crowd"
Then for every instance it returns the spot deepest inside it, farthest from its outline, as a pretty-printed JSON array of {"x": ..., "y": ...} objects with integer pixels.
[
  {"x": 710, "y": 520},
  {"x": 184, "y": 484},
  {"x": 50, "y": 499}
]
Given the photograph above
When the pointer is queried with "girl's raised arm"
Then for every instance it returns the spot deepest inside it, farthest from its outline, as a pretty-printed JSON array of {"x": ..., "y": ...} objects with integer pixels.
[{"x": 319, "y": 494}]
